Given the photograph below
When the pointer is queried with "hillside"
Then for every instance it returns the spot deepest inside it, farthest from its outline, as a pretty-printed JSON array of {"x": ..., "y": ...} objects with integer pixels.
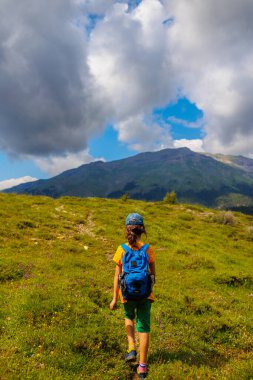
[
  {"x": 56, "y": 276},
  {"x": 237, "y": 161},
  {"x": 196, "y": 178}
]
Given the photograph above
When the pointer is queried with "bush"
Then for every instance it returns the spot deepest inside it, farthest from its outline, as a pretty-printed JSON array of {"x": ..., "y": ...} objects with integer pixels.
[
  {"x": 225, "y": 218},
  {"x": 170, "y": 198},
  {"x": 235, "y": 281},
  {"x": 124, "y": 197},
  {"x": 250, "y": 233},
  {"x": 25, "y": 224}
]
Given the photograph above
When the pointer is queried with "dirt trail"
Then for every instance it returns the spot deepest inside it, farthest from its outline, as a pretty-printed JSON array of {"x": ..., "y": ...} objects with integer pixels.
[{"x": 88, "y": 227}]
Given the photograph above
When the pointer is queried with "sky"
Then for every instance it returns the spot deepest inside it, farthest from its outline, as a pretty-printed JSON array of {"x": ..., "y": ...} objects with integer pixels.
[{"x": 87, "y": 80}]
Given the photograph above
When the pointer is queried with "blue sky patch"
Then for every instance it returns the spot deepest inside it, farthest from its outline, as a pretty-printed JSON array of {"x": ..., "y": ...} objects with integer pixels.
[
  {"x": 18, "y": 168},
  {"x": 93, "y": 20},
  {"x": 133, "y": 4},
  {"x": 108, "y": 147},
  {"x": 185, "y": 119}
]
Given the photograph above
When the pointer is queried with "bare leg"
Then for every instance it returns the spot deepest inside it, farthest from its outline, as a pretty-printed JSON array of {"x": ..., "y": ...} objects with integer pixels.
[
  {"x": 130, "y": 332},
  {"x": 144, "y": 345}
]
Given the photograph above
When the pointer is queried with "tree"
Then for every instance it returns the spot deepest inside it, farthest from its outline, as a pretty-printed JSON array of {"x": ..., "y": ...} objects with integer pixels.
[
  {"x": 124, "y": 197},
  {"x": 170, "y": 198}
]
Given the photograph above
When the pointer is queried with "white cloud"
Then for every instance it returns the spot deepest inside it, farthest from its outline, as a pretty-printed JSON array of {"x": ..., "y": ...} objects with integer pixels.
[
  {"x": 95, "y": 7},
  {"x": 54, "y": 165},
  {"x": 6, "y": 184},
  {"x": 61, "y": 84},
  {"x": 129, "y": 60},
  {"x": 196, "y": 144},
  {"x": 193, "y": 125},
  {"x": 205, "y": 53},
  {"x": 50, "y": 103},
  {"x": 143, "y": 135},
  {"x": 211, "y": 42}
]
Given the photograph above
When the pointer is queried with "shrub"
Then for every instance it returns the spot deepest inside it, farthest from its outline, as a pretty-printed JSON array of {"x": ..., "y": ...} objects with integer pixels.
[
  {"x": 225, "y": 218},
  {"x": 25, "y": 224},
  {"x": 170, "y": 198},
  {"x": 124, "y": 197},
  {"x": 235, "y": 281},
  {"x": 250, "y": 233}
]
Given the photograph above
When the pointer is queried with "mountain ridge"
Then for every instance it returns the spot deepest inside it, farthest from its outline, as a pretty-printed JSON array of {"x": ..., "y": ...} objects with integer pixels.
[
  {"x": 196, "y": 178},
  {"x": 240, "y": 161}
]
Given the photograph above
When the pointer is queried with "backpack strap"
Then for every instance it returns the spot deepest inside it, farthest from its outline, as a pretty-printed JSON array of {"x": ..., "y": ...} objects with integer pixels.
[
  {"x": 126, "y": 250},
  {"x": 144, "y": 247},
  {"x": 125, "y": 247}
]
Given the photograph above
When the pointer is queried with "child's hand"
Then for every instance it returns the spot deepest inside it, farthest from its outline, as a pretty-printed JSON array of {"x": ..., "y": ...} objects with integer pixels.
[{"x": 113, "y": 305}]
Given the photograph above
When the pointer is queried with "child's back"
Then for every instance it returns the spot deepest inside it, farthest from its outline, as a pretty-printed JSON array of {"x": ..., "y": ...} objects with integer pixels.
[{"x": 128, "y": 258}]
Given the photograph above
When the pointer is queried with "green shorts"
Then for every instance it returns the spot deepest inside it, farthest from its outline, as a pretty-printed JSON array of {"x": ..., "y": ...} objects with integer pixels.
[{"x": 141, "y": 311}]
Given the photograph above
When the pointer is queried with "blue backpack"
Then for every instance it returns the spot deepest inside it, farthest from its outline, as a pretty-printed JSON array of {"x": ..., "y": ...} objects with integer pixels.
[{"x": 135, "y": 281}]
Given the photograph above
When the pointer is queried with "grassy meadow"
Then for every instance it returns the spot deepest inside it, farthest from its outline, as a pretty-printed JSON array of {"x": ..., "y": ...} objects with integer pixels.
[{"x": 56, "y": 278}]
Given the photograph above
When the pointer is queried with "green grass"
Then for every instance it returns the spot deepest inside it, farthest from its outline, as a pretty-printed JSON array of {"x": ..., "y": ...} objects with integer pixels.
[{"x": 56, "y": 275}]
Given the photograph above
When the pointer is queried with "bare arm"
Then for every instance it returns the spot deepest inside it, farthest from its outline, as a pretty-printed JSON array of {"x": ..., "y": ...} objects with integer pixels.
[
  {"x": 118, "y": 270},
  {"x": 152, "y": 268},
  {"x": 152, "y": 273}
]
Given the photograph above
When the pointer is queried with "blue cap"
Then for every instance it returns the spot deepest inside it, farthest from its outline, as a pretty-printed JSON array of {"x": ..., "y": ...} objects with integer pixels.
[{"x": 134, "y": 220}]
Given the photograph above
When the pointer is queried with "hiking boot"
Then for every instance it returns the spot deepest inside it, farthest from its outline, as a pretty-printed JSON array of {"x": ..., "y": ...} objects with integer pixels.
[
  {"x": 130, "y": 356},
  {"x": 142, "y": 372}
]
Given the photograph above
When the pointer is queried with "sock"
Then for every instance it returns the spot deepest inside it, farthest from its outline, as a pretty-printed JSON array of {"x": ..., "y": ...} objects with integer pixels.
[
  {"x": 131, "y": 346},
  {"x": 142, "y": 367}
]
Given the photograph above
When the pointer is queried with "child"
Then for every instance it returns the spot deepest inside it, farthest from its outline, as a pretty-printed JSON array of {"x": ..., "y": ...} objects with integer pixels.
[{"x": 139, "y": 310}]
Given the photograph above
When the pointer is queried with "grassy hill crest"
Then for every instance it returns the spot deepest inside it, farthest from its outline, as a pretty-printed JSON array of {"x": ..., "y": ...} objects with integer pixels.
[
  {"x": 56, "y": 276},
  {"x": 196, "y": 178}
]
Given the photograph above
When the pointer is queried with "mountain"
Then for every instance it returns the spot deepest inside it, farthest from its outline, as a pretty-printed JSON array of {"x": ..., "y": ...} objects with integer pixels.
[
  {"x": 237, "y": 161},
  {"x": 196, "y": 178}
]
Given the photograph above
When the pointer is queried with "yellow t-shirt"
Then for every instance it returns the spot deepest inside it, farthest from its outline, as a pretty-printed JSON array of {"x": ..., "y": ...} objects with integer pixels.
[{"x": 118, "y": 260}]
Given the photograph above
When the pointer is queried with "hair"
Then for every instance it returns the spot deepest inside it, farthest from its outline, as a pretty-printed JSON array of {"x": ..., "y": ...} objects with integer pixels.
[{"x": 133, "y": 232}]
